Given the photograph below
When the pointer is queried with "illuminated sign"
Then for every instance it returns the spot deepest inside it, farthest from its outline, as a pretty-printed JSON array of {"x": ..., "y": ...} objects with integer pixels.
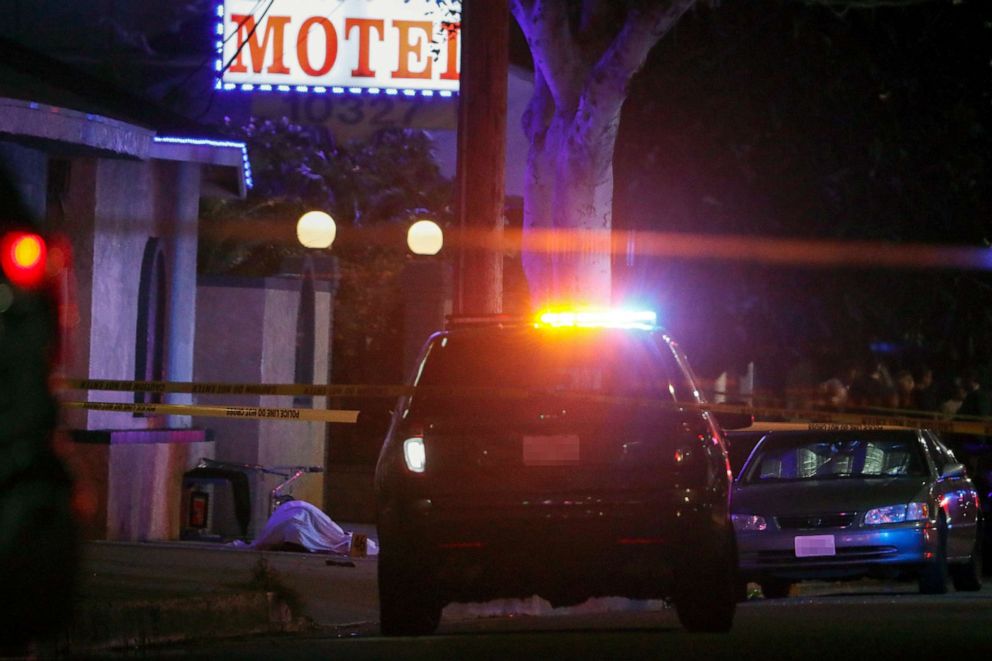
[{"x": 390, "y": 47}]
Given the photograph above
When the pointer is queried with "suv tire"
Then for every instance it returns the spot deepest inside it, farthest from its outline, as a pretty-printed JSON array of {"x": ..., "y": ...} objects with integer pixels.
[
  {"x": 707, "y": 590},
  {"x": 407, "y": 603}
]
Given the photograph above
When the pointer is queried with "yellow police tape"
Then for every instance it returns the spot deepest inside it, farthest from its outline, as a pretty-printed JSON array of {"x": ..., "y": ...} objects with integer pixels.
[
  {"x": 833, "y": 420},
  {"x": 816, "y": 418},
  {"x": 247, "y": 412},
  {"x": 290, "y": 389}
]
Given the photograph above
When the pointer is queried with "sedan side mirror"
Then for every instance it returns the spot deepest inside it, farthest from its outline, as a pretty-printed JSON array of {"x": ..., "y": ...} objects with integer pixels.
[
  {"x": 734, "y": 420},
  {"x": 952, "y": 470}
]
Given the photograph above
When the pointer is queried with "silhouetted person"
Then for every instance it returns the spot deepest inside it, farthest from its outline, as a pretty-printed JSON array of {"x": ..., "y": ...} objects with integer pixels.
[
  {"x": 905, "y": 387},
  {"x": 925, "y": 391},
  {"x": 977, "y": 400},
  {"x": 38, "y": 548},
  {"x": 873, "y": 388}
]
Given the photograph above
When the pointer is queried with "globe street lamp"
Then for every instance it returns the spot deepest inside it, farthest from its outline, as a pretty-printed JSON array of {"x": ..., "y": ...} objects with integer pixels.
[
  {"x": 316, "y": 229},
  {"x": 424, "y": 238}
]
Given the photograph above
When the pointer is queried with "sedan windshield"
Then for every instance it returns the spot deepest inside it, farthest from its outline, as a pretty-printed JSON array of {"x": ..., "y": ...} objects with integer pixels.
[{"x": 838, "y": 456}]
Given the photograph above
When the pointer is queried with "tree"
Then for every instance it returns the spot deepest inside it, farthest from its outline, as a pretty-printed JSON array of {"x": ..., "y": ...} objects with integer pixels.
[
  {"x": 585, "y": 54},
  {"x": 373, "y": 188}
]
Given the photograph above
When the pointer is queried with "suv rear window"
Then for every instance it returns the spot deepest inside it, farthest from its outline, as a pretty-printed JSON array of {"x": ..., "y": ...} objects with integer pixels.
[{"x": 603, "y": 362}]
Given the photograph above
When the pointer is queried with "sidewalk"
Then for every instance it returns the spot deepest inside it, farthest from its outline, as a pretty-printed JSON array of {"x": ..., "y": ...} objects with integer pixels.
[
  {"x": 136, "y": 595},
  {"x": 133, "y": 595}
]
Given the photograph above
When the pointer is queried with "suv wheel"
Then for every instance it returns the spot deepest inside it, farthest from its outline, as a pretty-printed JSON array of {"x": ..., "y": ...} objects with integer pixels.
[
  {"x": 707, "y": 590},
  {"x": 408, "y": 605}
]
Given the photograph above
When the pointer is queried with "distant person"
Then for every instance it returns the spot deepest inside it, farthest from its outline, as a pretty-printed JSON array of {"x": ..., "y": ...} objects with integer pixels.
[
  {"x": 952, "y": 402},
  {"x": 873, "y": 388},
  {"x": 834, "y": 391},
  {"x": 905, "y": 390},
  {"x": 925, "y": 391},
  {"x": 978, "y": 399}
]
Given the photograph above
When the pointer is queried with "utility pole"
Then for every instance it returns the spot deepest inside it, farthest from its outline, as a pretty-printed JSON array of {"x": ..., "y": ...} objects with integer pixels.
[{"x": 485, "y": 32}]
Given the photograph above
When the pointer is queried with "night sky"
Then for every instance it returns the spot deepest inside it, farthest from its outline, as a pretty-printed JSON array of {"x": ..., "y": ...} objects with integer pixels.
[
  {"x": 777, "y": 119},
  {"x": 767, "y": 118}
]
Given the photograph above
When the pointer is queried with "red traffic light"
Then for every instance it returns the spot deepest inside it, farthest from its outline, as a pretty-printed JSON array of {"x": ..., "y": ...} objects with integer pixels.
[{"x": 23, "y": 257}]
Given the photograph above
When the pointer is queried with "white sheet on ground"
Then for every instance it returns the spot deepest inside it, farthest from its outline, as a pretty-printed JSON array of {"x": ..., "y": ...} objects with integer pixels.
[{"x": 299, "y": 522}]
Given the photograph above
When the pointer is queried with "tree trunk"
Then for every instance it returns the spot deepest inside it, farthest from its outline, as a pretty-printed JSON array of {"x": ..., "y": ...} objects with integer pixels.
[
  {"x": 584, "y": 205},
  {"x": 539, "y": 186},
  {"x": 582, "y": 66}
]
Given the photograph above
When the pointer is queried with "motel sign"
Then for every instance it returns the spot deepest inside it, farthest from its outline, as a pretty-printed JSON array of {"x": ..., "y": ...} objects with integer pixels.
[{"x": 375, "y": 46}]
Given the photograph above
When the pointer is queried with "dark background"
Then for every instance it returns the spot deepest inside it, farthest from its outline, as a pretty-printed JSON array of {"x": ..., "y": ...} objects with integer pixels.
[
  {"x": 775, "y": 118},
  {"x": 758, "y": 117}
]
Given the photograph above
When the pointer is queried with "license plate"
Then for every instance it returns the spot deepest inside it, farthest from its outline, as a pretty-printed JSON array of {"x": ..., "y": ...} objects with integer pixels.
[
  {"x": 813, "y": 546},
  {"x": 551, "y": 450}
]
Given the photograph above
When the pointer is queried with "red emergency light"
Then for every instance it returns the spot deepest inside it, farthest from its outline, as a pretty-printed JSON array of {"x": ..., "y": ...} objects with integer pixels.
[{"x": 23, "y": 257}]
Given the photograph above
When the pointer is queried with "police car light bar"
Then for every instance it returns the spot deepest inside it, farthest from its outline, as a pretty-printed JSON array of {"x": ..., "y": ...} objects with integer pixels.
[{"x": 597, "y": 318}]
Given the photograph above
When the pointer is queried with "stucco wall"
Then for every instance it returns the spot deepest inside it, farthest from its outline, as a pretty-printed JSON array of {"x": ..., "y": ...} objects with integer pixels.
[
  {"x": 117, "y": 205},
  {"x": 228, "y": 333},
  {"x": 108, "y": 209},
  {"x": 246, "y": 333},
  {"x": 124, "y": 219},
  {"x": 178, "y": 210},
  {"x": 75, "y": 220}
]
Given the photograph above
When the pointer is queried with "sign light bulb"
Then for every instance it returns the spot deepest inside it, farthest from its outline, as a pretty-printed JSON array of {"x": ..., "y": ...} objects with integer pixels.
[{"x": 22, "y": 256}]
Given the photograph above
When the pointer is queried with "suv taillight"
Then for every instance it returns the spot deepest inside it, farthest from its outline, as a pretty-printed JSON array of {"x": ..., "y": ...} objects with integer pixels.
[
  {"x": 23, "y": 257},
  {"x": 415, "y": 453}
]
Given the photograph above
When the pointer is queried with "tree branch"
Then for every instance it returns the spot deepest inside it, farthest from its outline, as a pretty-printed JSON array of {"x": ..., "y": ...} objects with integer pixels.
[
  {"x": 599, "y": 23},
  {"x": 642, "y": 29},
  {"x": 552, "y": 45},
  {"x": 840, "y": 8},
  {"x": 606, "y": 88},
  {"x": 537, "y": 116}
]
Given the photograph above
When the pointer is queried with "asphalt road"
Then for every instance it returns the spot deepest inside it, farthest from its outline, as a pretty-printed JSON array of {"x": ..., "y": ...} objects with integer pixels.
[{"x": 841, "y": 624}]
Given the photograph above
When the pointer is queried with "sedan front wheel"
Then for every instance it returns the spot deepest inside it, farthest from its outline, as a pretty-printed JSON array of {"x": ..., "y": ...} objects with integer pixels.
[{"x": 933, "y": 576}]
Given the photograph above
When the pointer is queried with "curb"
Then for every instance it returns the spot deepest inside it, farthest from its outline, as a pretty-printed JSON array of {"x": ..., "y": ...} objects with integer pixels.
[{"x": 102, "y": 625}]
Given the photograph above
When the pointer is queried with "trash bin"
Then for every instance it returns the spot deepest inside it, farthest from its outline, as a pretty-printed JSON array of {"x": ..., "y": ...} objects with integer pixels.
[{"x": 216, "y": 505}]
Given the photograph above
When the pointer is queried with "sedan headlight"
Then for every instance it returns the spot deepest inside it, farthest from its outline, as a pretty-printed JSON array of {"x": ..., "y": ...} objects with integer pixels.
[
  {"x": 897, "y": 514},
  {"x": 748, "y": 522}
]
